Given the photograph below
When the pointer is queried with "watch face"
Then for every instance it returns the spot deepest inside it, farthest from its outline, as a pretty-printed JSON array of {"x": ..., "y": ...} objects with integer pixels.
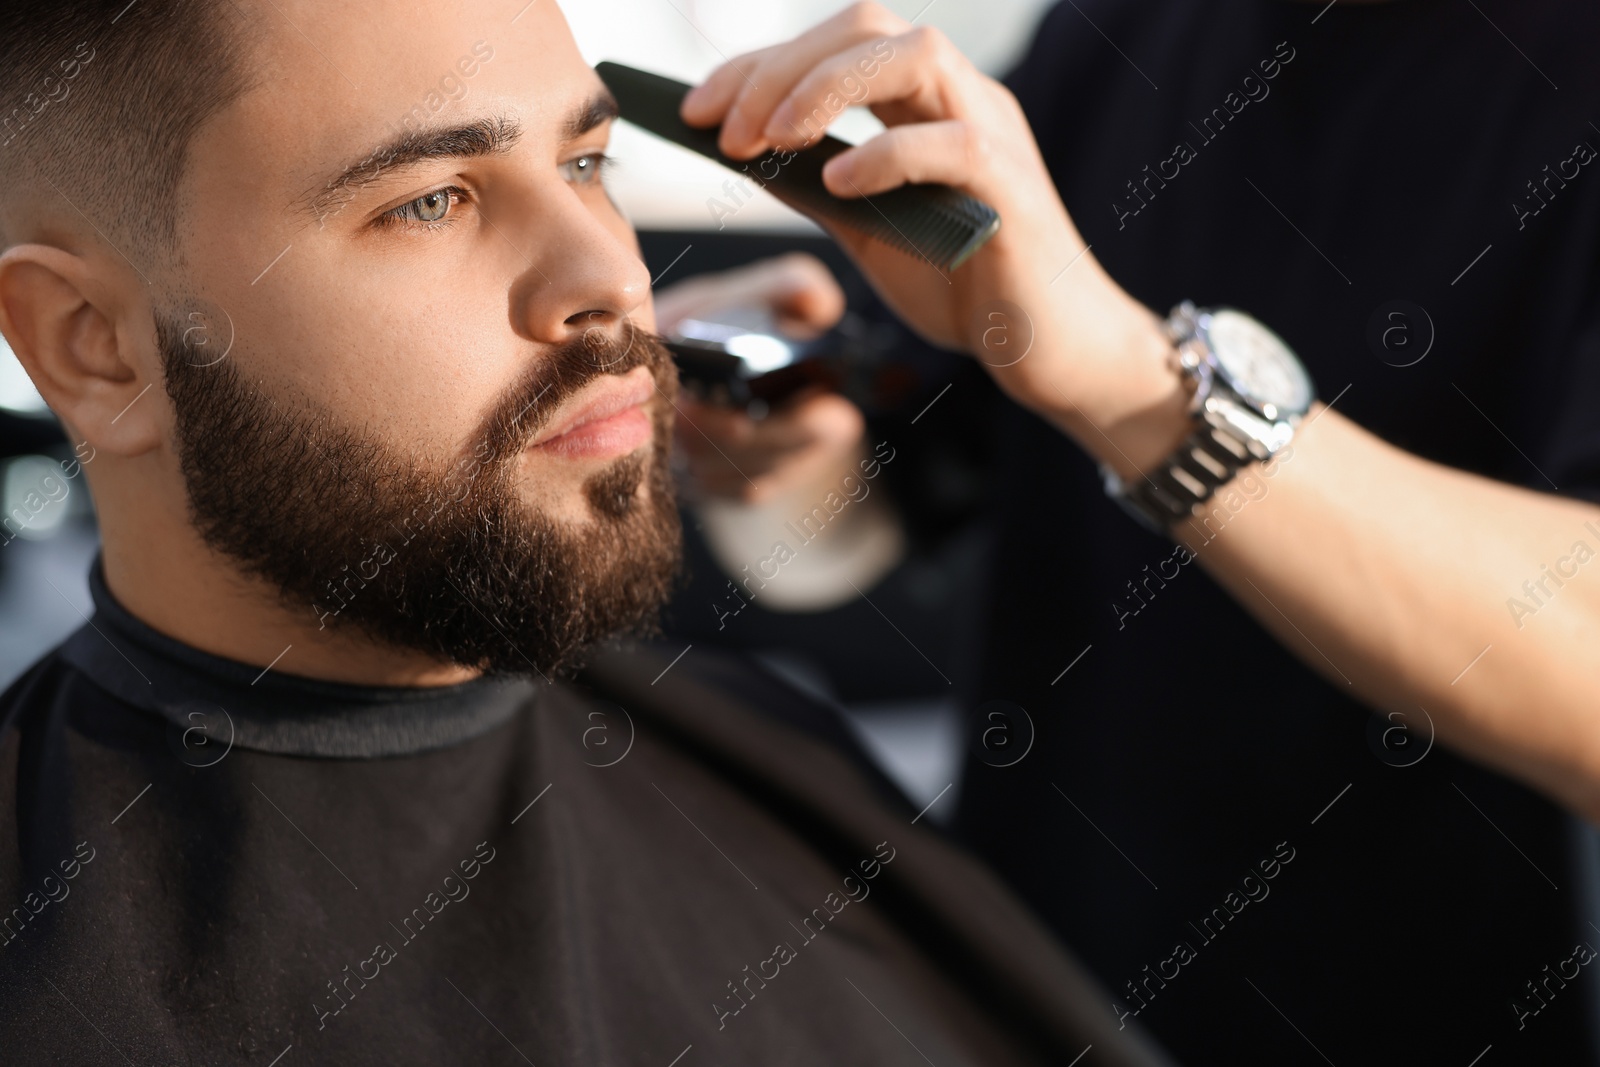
[{"x": 1258, "y": 364}]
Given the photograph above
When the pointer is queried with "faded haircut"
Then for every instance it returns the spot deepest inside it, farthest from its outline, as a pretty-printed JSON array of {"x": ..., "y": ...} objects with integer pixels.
[{"x": 99, "y": 102}]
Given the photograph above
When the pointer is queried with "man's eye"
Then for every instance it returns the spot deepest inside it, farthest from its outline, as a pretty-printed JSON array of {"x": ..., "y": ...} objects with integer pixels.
[
  {"x": 427, "y": 208},
  {"x": 587, "y": 170}
]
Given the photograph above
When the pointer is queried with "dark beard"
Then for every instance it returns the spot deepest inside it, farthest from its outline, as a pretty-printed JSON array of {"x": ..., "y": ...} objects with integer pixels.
[{"x": 450, "y": 563}]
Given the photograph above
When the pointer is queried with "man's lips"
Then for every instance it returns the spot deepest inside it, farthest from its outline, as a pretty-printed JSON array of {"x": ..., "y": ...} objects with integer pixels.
[{"x": 608, "y": 418}]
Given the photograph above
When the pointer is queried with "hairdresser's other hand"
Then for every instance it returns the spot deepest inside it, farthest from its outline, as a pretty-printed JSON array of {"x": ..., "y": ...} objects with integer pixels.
[
  {"x": 798, "y": 289},
  {"x": 812, "y": 439},
  {"x": 1034, "y": 305}
]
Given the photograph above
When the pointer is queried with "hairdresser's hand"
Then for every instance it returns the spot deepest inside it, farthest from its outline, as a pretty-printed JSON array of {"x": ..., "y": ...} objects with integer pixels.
[
  {"x": 1055, "y": 331},
  {"x": 798, "y": 289},
  {"x": 814, "y": 438}
]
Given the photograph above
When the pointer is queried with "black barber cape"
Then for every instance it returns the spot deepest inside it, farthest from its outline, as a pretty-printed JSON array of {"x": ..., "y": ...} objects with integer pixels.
[
  {"x": 1409, "y": 193},
  {"x": 206, "y": 863}
]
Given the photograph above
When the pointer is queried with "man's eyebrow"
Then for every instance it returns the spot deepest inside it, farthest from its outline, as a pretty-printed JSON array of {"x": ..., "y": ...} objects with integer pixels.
[
  {"x": 483, "y": 137},
  {"x": 599, "y": 108}
]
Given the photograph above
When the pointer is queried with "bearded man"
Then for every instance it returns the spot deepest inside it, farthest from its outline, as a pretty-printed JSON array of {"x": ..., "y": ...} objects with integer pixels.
[{"x": 376, "y": 427}]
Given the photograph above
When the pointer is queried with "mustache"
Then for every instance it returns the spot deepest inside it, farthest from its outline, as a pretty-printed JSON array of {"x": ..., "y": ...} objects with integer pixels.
[
  {"x": 561, "y": 373},
  {"x": 214, "y": 389}
]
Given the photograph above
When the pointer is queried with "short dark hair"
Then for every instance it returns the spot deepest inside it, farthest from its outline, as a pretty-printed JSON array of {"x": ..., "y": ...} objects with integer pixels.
[{"x": 100, "y": 100}]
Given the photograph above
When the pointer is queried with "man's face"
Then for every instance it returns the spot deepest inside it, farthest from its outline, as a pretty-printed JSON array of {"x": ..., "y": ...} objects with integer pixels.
[{"x": 441, "y": 381}]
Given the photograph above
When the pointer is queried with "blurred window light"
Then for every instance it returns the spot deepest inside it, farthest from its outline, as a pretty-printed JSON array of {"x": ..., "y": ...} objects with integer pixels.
[
  {"x": 17, "y": 393},
  {"x": 33, "y": 492}
]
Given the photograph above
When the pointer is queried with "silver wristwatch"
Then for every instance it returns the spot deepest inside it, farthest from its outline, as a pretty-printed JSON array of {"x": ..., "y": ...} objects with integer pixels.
[{"x": 1250, "y": 392}]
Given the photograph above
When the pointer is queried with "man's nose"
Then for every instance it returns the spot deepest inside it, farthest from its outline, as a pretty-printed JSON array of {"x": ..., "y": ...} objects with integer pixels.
[{"x": 584, "y": 274}]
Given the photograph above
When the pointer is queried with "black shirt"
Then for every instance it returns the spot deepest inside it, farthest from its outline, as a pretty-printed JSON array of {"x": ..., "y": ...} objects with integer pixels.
[
  {"x": 206, "y": 862},
  {"x": 1387, "y": 158}
]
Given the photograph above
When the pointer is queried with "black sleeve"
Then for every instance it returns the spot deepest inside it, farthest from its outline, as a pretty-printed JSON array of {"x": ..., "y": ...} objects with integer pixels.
[{"x": 1570, "y": 459}]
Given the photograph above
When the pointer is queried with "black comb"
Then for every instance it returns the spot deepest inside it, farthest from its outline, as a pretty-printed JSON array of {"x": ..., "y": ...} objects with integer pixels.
[{"x": 934, "y": 222}]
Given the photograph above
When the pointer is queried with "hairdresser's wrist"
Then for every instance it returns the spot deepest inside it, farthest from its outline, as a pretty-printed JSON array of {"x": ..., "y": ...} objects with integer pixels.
[{"x": 1118, "y": 392}]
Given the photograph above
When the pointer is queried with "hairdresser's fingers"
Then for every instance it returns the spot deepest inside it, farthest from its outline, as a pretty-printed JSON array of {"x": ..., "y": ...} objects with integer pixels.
[
  {"x": 797, "y": 288},
  {"x": 955, "y": 153},
  {"x": 707, "y": 104},
  {"x": 742, "y": 94},
  {"x": 713, "y": 474},
  {"x": 712, "y": 427},
  {"x": 821, "y": 420},
  {"x": 787, "y": 283},
  {"x": 813, "y": 418},
  {"x": 726, "y": 438},
  {"x": 769, "y": 73},
  {"x": 725, "y": 483},
  {"x": 714, "y": 470},
  {"x": 811, "y": 437},
  {"x": 804, "y": 295},
  {"x": 918, "y": 76}
]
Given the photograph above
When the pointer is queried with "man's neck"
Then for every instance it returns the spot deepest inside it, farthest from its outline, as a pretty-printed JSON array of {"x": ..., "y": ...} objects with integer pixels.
[{"x": 179, "y": 586}]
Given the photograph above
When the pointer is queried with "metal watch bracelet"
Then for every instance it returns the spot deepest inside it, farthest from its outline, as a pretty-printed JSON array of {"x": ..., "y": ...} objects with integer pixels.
[{"x": 1209, "y": 458}]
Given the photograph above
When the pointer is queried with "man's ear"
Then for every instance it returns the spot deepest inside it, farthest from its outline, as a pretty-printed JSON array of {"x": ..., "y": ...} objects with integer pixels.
[{"x": 66, "y": 326}]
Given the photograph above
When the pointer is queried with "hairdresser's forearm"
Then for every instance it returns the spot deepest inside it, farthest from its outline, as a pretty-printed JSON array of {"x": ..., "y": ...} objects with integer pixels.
[{"x": 1417, "y": 585}]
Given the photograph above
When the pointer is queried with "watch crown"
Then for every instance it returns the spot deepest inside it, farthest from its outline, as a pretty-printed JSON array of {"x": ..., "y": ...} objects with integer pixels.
[{"x": 1181, "y": 321}]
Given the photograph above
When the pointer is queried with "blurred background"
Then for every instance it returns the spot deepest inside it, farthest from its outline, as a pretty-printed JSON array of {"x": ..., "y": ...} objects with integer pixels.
[{"x": 899, "y": 701}]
